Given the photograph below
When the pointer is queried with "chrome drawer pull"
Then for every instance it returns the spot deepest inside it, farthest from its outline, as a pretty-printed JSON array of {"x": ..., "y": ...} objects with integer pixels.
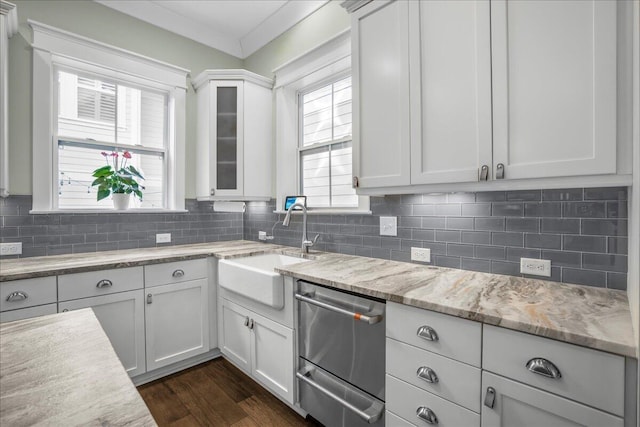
[
  {"x": 178, "y": 273},
  {"x": 356, "y": 316},
  {"x": 427, "y": 374},
  {"x": 104, "y": 283},
  {"x": 543, "y": 367},
  {"x": 426, "y": 414},
  {"x": 17, "y": 296},
  {"x": 490, "y": 398},
  {"x": 427, "y": 333}
]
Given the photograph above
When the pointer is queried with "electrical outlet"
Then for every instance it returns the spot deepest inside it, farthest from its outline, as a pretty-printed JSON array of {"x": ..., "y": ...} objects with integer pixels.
[
  {"x": 262, "y": 235},
  {"x": 388, "y": 225},
  {"x": 163, "y": 238},
  {"x": 537, "y": 267},
  {"x": 421, "y": 254},
  {"x": 10, "y": 249}
]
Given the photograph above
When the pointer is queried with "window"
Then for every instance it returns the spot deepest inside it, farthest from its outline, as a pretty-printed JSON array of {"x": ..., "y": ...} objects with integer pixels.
[
  {"x": 95, "y": 115},
  {"x": 90, "y": 98},
  {"x": 325, "y": 146}
]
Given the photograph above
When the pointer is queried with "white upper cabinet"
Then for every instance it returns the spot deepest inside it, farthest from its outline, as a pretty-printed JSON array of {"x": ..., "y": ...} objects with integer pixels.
[
  {"x": 380, "y": 64},
  {"x": 554, "y": 87},
  {"x": 450, "y": 58},
  {"x": 498, "y": 90},
  {"x": 8, "y": 27},
  {"x": 234, "y": 147}
]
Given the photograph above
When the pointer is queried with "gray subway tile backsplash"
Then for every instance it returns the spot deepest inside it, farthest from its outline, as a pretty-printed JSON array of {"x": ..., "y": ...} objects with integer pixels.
[{"x": 582, "y": 231}]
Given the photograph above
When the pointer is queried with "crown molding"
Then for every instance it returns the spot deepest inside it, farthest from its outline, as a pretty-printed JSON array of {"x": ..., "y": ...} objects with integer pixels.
[
  {"x": 10, "y": 12},
  {"x": 353, "y": 5}
]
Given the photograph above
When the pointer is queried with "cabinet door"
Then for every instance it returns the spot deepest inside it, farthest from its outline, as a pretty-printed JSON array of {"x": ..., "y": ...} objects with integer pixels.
[
  {"x": 121, "y": 316},
  {"x": 520, "y": 405},
  {"x": 450, "y": 54},
  {"x": 177, "y": 318},
  {"x": 554, "y": 87},
  {"x": 380, "y": 59},
  {"x": 226, "y": 107},
  {"x": 272, "y": 355},
  {"x": 235, "y": 334}
]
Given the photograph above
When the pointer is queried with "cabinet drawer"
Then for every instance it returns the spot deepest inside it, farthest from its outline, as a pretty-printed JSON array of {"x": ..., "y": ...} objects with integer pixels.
[
  {"x": 405, "y": 400},
  {"x": 392, "y": 420},
  {"x": 175, "y": 272},
  {"x": 454, "y": 381},
  {"x": 456, "y": 338},
  {"x": 27, "y": 313},
  {"x": 27, "y": 293},
  {"x": 588, "y": 376},
  {"x": 95, "y": 283}
]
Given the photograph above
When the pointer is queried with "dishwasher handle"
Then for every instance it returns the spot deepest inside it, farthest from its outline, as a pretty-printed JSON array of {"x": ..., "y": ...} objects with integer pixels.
[
  {"x": 369, "y": 415},
  {"x": 357, "y": 316}
]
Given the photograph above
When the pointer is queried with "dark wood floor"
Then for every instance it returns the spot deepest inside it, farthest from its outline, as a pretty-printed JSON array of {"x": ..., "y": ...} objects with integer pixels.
[{"x": 216, "y": 393}]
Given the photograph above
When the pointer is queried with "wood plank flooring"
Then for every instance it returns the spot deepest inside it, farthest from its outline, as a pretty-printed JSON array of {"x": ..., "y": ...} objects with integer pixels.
[{"x": 216, "y": 393}]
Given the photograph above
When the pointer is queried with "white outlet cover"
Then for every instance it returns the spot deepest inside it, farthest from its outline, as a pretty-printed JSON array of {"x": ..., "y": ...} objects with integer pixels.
[
  {"x": 388, "y": 225},
  {"x": 421, "y": 254},
  {"x": 7, "y": 249},
  {"x": 163, "y": 238},
  {"x": 536, "y": 267}
]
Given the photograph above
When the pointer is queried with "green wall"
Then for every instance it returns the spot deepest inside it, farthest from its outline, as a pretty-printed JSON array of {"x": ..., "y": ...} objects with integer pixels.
[
  {"x": 328, "y": 21},
  {"x": 97, "y": 22}
]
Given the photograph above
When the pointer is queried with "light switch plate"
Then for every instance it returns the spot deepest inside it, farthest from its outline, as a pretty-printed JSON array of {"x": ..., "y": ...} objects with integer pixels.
[
  {"x": 538, "y": 267},
  {"x": 388, "y": 225},
  {"x": 163, "y": 238}
]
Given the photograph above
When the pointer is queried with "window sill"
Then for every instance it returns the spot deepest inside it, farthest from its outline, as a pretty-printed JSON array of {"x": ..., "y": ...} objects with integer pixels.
[
  {"x": 329, "y": 212},
  {"x": 90, "y": 211}
]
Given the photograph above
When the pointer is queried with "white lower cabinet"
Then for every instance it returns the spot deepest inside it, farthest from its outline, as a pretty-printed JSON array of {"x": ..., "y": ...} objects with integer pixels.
[
  {"x": 177, "y": 322},
  {"x": 519, "y": 405},
  {"x": 121, "y": 315},
  {"x": 27, "y": 313},
  {"x": 260, "y": 346}
]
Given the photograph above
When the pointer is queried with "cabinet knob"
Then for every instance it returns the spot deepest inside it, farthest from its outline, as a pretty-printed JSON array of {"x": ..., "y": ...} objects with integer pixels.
[
  {"x": 246, "y": 321},
  {"x": 500, "y": 171},
  {"x": 427, "y": 374},
  {"x": 104, "y": 283},
  {"x": 544, "y": 367},
  {"x": 149, "y": 298},
  {"x": 427, "y": 333},
  {"x": 250, "y": 323},
  {"x": 484, "y": 173},
  {"x": 178, "y": 273},
  {"x": 427, "y": 415},
  {"x": 212, "y": 192},
  {"x": 17, "y": 296},
  {"x": 490, "y": 397},
  {"x": 355, "y": 182}
]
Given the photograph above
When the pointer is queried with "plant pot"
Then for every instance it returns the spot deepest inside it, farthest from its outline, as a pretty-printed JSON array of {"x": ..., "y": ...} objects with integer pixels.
[{"x": 121, "y": 201}]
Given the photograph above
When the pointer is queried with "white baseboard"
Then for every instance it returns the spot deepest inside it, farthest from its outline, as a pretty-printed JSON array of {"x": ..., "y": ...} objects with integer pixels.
[{"x": 176, "y": 367}]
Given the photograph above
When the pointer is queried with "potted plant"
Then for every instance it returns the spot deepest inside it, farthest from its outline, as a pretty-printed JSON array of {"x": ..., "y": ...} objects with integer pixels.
[{"x": 117, "y": 178}]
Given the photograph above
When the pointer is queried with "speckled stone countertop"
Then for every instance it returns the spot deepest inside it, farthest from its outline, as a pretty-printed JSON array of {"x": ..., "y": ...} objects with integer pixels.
[
  {"x": 61, "y": 370},
  {"x": 26, "y": 268},
  {"x": 591, "y": 317}
]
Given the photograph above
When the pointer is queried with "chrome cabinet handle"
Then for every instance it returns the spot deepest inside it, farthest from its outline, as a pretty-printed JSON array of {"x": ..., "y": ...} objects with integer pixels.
[
  {"x": 65, "y": 310},
  {"x": 149, "y": 298},
  {"x": 246, "y": 321},
  {"x": 490, "y": 397},
  {"x": 484, "y": 173},
  {"x": 427, "y": 374},
  {"x": 104, "y": 283},
  {"x": 17, "y": 296},
  {"x": 541, "y": 366},
  {"x": 500, "y": 171},
  {"x": 250, "y": 323},
  {"x": 357, "y": 316},
  {"x": 427, "y": 333},
  {"x": 178, "y": 273},
  {"x": 426, "y": 414}
]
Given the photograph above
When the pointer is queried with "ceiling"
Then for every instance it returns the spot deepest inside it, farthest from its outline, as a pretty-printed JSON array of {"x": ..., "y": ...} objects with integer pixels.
[{"x": 237, "y": 27}]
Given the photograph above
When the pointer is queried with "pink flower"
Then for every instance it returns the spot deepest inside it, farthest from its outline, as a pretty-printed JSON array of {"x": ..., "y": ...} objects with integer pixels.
[
  {"x": 114, "y": 154},
  {"x": 126, "y": 155},
  {"x": 104, "y": 154}
]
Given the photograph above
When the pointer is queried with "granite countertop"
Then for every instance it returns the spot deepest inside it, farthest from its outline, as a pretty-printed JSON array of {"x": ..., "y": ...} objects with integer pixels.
[
  {"x": 61, "y": 370},
  {"x": 27, "y": 268},
  {"x": 587, "y": 316}
]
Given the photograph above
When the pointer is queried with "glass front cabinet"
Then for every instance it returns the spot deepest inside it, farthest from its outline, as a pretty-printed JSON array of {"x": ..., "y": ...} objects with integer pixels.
[{"x": 234, "y": 148}]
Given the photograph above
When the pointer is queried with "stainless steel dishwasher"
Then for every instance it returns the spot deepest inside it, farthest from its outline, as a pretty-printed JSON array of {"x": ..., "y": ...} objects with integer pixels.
[{"x": 341, "y": 339}]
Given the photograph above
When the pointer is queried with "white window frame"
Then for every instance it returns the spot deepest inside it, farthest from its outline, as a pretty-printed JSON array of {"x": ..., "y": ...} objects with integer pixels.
[
  {"x": 320, "y": 65},
  {"x": 53, "y": 49}
]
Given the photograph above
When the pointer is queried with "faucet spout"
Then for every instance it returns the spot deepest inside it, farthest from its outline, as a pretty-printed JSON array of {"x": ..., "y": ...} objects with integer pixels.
[{"x": 306, "y": 243}]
